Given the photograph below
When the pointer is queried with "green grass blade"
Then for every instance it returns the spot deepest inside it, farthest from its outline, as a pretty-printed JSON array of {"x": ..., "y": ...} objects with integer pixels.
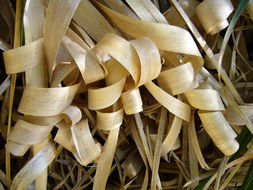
[{"x": 248, "y": 181}]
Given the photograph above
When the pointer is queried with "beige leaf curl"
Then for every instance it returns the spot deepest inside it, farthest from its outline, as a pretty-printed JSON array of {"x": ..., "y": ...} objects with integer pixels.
[
  {"x": 220, "y": 131},
  {"x": 213, "y": 14},
  {"x": 38, "y": 101},
  {"x": 109, "y": 120},
  {"x": 85, "y": 146},
  {"x": 23, "y": 58},
  {"x": 110, "y": 84},
  {"x": 174, "y": 105},
  {"x": 173, "y": 82}
]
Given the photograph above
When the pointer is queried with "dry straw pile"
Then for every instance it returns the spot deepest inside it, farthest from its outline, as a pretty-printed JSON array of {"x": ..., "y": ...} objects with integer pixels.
[{"x": 134, "y": 94}]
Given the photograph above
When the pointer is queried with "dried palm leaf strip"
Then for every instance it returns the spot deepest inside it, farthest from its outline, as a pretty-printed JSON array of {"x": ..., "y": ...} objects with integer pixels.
[
  {"x": 150, "y": 67},
  {"x": 86, "y": 148},
  {"x": 174, "y": 105},
  {"x": 109, "y": 120},
  {"x": 83, "y": 146},
  {"x": 166, "y": 37},
  {"x": 132, "y": 101},
  {"x": 220, "y": 131},
  {"x": 214, "y": 122},
  {"x": 179, "y": 79},
  {"x": 29, "y": 56},
  {"x": 89, "y": 65},
  {"x": 91, "y": 20},
  {"x": 25, "y": 130},
  {"x": 61, "y": 71},
  {"x": 233, "y": 118},
  {"x": 33, "y": 20},
  {"x": 172, "y": 136},
  {"x": 131, "y": 56},
  {"x": 126, "y": 56},
  {"x": 223, "y": 74},
  {"x": 68, "y": 94},
  {"x": 218, "y": 105},
  {"x": 70, "y": 116},
  {"x": 16, "y": 43},
  {"x": 213, "y": 15},
  {"x": 195, "y": 144},
  {"x": 198, "y": 98},
  {"x": 144, "y": 140},
  {"x": 165, "y": 41},
  {"x": 132, "y": 164},
  {"x": 34, "y": 167},
  {"x": 121, "y": 7},
  {"x": 54, "y": 29},
  {"x": 170, "y": 109},
  {"x": 77, "y": 142},
  {"x": 146, "y": 10},
  {"x": 97, "y": 98},
  {"x": 122, "y": 51},
  {"x": 84, "y": 35},
  {"x": 136, "y": 72},
  {"x": 169, "y": 80},
  {"x": 174, "y": 18},
  {"x": 206, "y": 48},
  {"x": 38, "y": 101},
  {"x": 69, "y": 99},
  {"x": 32, "y": 132},
  {"x": 105, "y": 161},
  {"x": 65, "y": 139},
  {"x": 220, "y": 172}
]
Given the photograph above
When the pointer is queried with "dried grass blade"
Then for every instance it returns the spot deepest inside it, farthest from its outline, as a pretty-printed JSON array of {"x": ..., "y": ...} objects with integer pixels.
[
  {"x": 17, "y": 43},
  {"x": 195, "y": 144},
  {"x": 158, "y": 150}
]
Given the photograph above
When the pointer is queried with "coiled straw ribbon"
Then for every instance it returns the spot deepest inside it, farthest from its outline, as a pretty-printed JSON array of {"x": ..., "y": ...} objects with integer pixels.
[{"x": 125, "y": 66}]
